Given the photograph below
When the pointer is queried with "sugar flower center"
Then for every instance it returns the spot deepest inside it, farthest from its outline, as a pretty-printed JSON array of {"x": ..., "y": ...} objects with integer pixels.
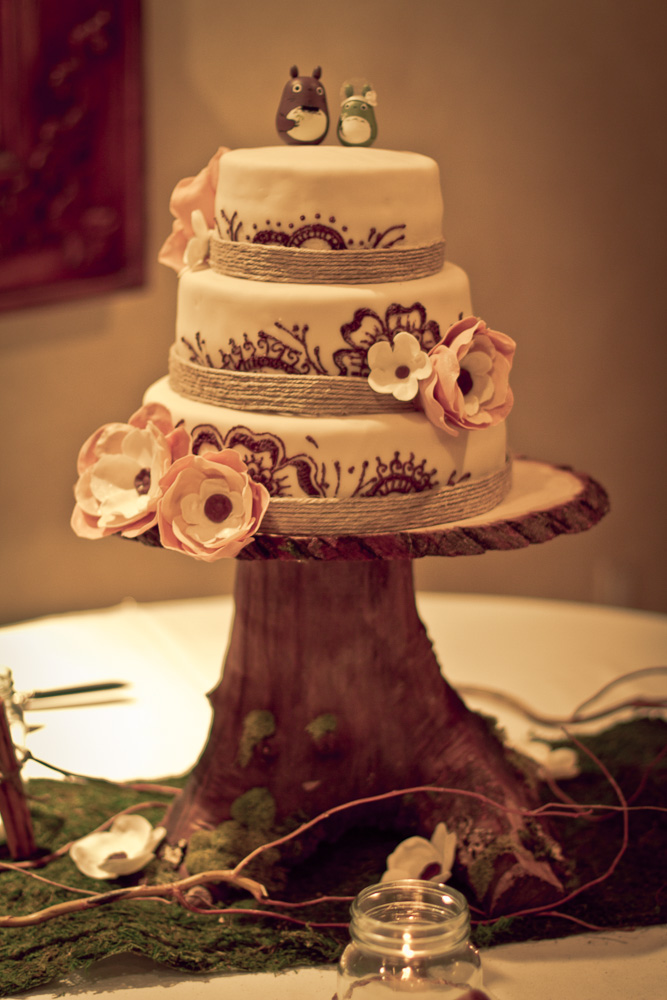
[
  {"x": 430, "y": 871},
  {"x": 218, "y": 507},
  {"x": 465, "y": 381},
  {"x": 142, "y": 481}
]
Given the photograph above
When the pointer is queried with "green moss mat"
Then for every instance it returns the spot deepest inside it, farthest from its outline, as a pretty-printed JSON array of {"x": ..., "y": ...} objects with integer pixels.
[{"x": 635, "y": 895}]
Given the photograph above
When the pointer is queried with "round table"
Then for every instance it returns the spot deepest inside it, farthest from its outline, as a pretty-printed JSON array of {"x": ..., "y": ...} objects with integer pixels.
[{"x": 170, "y": 654}]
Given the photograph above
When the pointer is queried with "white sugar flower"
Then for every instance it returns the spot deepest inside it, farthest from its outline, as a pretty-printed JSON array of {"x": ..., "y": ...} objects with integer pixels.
[
  {"x": 559, "y": 763},
  {"x": 196, "y": 250},
  {"x": 126, "y": 847},
  {"x": 416, "y": 857},
  {"x": 396, "y": 368}
]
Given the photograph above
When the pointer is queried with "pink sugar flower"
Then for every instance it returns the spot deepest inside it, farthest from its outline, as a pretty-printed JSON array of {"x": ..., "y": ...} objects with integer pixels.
[
  {"x": 189, "y": 195},
  {"x": 211, "y": 507},
  {"x": 469, "y": 384},
  {"x": 120, "y": 467}
]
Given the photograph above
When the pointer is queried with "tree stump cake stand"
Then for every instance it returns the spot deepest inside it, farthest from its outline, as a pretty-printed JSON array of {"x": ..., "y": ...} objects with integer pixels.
[{"x": 331, "y": 691}]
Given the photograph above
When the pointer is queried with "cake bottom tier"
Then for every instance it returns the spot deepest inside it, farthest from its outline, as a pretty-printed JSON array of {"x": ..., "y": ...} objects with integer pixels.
[{"x": 385, "y": 472}]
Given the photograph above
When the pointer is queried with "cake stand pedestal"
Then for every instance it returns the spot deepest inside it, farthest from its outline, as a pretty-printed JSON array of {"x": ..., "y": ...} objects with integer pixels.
[{"x": 331, "y": 692}]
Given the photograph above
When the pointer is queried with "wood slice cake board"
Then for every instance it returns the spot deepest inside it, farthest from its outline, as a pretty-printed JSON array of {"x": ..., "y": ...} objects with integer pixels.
[{"x": 544, "y": 501}]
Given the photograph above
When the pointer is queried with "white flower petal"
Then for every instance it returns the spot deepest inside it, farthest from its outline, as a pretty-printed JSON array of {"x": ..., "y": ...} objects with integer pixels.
[
  {"x": 198, "y": 223},
  {"x": 380, "y": 354},
  {"x": 414, "y": 856},
  {"x": 562, "y": 762},
  {"x": 406, "y": 389},
  {"x": 477, "y": 362},
  {"x": 156, "y": 837},
  {"x": 423, "y": 366},
  {"x": 396, "y": 874},
  {"x": 192, "y": 508},
  {"x": 139, "y": 445},
  {"x": 381, "y": 380},
  {"x": 444, "y": 843},
  {"x": 132, "y": 838},
  {"x": 113, "y": 867},
  {"x": 113, "y": 473},
  {"x": 406, "y": 347}
]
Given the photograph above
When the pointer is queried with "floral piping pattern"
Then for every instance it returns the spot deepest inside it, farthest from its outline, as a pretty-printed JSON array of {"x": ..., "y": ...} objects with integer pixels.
[
  {"x": 287, "y": 352},
  {"x": 265, "y": 458},
  {"x": 267, "y": 462},
  {"x": 368, "y": 328},
  {"x": 396, "y": 476},
  {"x": 322, "y": 232},
  {"x": 286, "y": 348}
]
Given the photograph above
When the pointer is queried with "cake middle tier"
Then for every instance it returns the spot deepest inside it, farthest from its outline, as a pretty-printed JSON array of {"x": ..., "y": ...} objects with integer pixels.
[
  {"x": 252, "y": 326},
  {"x": 339, "y": 457}
]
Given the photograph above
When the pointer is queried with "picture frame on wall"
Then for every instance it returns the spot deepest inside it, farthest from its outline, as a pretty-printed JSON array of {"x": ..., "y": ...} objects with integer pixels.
[{"x": 71, "y": 150}]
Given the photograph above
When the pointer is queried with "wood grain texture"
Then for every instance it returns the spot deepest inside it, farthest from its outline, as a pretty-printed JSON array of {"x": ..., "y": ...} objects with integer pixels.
[{"x": 587, "y": 504}]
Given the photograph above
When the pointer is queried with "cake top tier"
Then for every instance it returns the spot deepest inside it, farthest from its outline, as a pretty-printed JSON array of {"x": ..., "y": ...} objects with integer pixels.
[{"x": 328, "y": 197}]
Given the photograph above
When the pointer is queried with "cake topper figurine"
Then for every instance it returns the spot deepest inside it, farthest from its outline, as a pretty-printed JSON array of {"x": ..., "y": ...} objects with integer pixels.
[
  {"x": 357, "y": 125},
  {"x": 303, "y": 116}
]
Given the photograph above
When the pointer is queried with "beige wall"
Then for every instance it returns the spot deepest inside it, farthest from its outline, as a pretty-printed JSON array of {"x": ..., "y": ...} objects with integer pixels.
[{"x": 548, "y": 120}]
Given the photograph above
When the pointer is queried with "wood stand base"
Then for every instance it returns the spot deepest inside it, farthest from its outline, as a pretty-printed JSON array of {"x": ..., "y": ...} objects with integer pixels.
[{"x": 331, "y": 692}]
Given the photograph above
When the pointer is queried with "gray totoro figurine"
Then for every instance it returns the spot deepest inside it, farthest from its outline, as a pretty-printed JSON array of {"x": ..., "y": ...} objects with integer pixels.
[{"x": 303, "y": 116}]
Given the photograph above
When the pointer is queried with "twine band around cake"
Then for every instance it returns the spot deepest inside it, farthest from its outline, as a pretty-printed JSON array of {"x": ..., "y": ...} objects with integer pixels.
[
  {"x": 388, "y": 513},
  {"x": 263, "y": 392},
  {"x": 271, "y": 262}
]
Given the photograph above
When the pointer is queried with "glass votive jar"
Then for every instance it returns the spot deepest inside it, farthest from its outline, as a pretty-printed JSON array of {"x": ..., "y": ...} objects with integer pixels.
[{"x": 409, "y": 936}]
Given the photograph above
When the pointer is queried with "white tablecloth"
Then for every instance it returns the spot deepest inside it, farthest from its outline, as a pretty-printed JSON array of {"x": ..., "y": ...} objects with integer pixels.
[{"x": 552, "y": 655}]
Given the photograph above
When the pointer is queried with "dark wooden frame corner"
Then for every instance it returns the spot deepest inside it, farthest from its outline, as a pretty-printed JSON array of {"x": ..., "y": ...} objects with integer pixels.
[{"x": 71, "y": 150}]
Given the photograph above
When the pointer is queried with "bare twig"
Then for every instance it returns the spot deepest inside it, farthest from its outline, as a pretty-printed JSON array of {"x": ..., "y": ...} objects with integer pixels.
[
  {"x": 577, "y": 717},
  {"x": 621, "y": 679},
  {"x": 13, "y": 806},
  {"x": 132, "y": 786},
  {"x": 40, "y": 878},
  {"x": 168, "y": 890}
]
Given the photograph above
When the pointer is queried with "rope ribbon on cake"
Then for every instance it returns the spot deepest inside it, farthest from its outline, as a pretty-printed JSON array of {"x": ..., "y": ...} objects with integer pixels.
[
  {"x": 262, "y": 392},
  {"x": 262, "y": 262},
  {"x": 388, "y": 513}
]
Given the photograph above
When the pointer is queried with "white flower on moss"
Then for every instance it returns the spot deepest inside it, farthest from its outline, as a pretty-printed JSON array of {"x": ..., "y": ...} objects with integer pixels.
[
  {"x": 429, "y": 860},
  {"x": 126, "y": 847},
  {"x": 396, "y": 368},
  {"x": 559, "y": 763},
  {"x": 196, "y": 250}
]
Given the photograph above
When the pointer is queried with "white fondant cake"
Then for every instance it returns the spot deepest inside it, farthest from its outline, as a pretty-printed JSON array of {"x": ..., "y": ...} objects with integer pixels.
[
  {"x": 322, "y": 337},
  {"x": 328, "y": 197},
  {"x": 308, "y": 329},
  {"x": 339, "y": 457}
]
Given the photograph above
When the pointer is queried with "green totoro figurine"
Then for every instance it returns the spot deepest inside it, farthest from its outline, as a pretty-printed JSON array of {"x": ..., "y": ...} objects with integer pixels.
[{"x": 356, "y": 124}]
